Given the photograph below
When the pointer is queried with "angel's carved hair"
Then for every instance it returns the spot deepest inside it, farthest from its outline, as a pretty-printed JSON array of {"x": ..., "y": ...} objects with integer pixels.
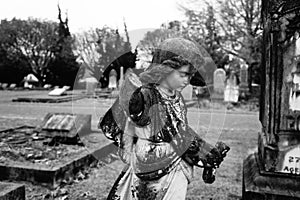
[{"x": 163, "y": 63}]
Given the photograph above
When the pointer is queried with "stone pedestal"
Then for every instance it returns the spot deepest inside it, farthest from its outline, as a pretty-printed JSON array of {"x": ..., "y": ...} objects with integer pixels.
[{"x": 261, "y": 185}]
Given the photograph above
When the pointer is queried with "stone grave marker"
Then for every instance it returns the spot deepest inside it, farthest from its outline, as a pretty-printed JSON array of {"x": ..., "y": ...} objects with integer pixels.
[
  {"x": 112, "y": 80},
  {"x": 66, "y": 125},
  {"x": 4, "y": 85},
  {"x": 57, "y": 92},
  {"x": 47, "y": 86},
  {"x": 91, "y": 85},
  {"x": 244, "y": 75},
  {"x": 53, "y": 150},
  {"x": 12, "y": 86},
  {"x": 231, "y": 93},
  {"x": 121, "y": 76},
  {"x": 218, "y": 85},
  {"x": 66, "y": 87},
  {"x": 244, "y": 89},
  {"x": 219, "y": 81}
]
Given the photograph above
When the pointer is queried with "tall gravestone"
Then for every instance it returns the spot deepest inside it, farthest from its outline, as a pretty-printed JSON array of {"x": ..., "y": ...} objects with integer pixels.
[
  {"x": 244, "y": 89},
  {"x": 218, "y": 84},
  {"x": 121, "y": 76},
  {"x": 231, "y": 93},
  {"x": 219, "y": 80},
  {"x": 112, "y": 81},
  {"x": 244, "y": 75},
  {"x": 273, "y": 171}
]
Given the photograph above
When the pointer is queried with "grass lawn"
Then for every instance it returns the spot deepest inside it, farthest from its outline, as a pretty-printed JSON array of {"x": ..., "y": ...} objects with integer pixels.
[
  {"x": 240, "y": 133},
  {"x": 98, "y": 180}
]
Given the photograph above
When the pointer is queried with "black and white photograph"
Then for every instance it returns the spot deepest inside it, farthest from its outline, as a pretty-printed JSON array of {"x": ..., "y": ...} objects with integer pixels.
[{"x": 150, "y": 100}]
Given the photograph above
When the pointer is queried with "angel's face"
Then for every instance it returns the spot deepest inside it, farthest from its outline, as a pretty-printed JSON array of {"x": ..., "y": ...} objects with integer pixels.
[{"x": 179, "y": 78}]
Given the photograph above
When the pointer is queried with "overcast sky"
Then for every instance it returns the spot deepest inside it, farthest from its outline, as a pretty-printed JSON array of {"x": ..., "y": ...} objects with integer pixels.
[{"x": 138, "y": 14}]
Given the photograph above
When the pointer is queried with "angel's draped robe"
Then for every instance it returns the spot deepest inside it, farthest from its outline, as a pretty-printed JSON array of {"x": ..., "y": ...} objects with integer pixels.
[{"x": 156, "y": 143}]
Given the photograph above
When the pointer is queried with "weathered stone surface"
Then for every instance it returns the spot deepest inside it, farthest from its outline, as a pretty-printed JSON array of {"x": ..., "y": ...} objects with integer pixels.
[
  {"x": 12, "y": 191},
  {"x": 66, "y": 125},
  {"x": 258, "y": 184},
  {"x": 275, "y": 172},
  {"x": 219, "y": 81},
  {"x": 48, "y": 175},
  {"x": 26, "y": 156}
]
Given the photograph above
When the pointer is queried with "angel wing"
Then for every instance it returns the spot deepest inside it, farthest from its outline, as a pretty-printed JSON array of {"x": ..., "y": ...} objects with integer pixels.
[{"x": 128, "y": 86}]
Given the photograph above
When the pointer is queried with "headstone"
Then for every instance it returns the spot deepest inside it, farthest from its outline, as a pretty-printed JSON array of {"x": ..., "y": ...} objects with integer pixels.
[
  {"x": 57, "y": 92},
  {"x": 187, "y": 92},
  {"x": 91, "y": 85},
  {"x": 66, "y": 87},
  {"x": 66, "y": 124},
  {"x": 112, "y": 81},
  {"x": 121, "y": 76},
  {"x": 218, "y": 85},
  {"x": 231, "y": 93},
  {"x": 54, "y": 151},
  {"x": 12, "y": 86},
  {"x": 288, "y": 166},
  {"x": 47, "y": 86},
  {"x": 4, "y": 85},
  {"x": 244, "y": 80},
  {"x": 219, "y": 81},
  {"x": 244, "y": 75}
]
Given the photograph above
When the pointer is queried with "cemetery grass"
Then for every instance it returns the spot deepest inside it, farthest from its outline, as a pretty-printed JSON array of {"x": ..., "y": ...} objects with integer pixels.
[{"x": 96, "y": 181}]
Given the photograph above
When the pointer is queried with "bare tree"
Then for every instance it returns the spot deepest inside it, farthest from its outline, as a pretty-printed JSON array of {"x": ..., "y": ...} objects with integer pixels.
[
  {"x": 240, "y": 23},
  {"x": 85, "y": 47},
  {"x": 236, "y": 27},
  {"x": 152, "y": 40},
  {"x": 97, "y": 49}
]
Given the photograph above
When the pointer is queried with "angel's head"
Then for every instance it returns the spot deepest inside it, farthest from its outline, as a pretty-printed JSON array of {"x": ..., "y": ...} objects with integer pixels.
[{"x": 174, "y": 62}]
